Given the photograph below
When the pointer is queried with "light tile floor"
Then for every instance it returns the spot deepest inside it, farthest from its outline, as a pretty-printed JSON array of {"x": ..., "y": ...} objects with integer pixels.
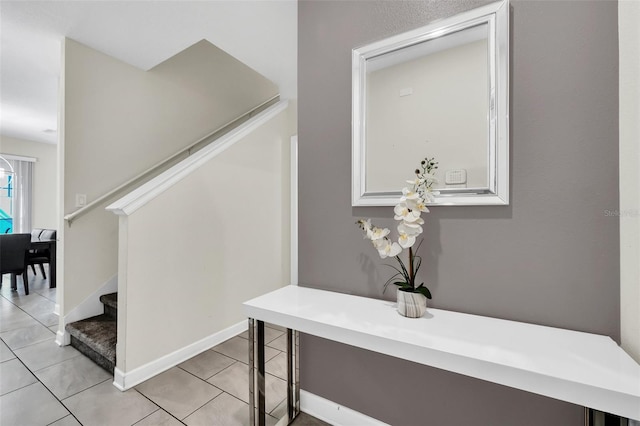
[{"x": 44, "y": 384}]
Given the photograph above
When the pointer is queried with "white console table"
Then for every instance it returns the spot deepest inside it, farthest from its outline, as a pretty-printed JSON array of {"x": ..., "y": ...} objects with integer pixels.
[{"x": 581, "y": 368}]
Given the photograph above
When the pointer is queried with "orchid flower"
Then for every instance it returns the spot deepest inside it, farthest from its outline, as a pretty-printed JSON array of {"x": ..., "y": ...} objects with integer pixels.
[
  {"x": 409, "y": 229},
  {"x": 377, "y": 233},
  {"x": 406, "y": 240},
  {"x": 389, "y": 250},
  {"x": 408, "y": 212},
  {"x": 401, "y": 211},
  {"x": 409, "y": 194},
  {"x": 413, "y": 217}
]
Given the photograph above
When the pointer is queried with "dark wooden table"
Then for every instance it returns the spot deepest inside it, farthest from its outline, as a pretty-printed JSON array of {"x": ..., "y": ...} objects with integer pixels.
[{"x": 37, "y": 244}]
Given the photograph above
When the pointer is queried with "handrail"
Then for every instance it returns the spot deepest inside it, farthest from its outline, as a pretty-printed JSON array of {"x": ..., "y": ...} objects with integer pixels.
[
  {"x": 188, "y": 150},
  {"x": 148, "y": 191}
]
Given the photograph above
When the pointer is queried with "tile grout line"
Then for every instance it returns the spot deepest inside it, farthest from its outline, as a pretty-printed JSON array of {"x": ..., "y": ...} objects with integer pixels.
[
  {"x": 215, "y": 397},
  {"x": 147, "y": 416},
  {"x": 159, "y": 408},
  {"x": 157, "y": 405},
  {"x": 22, "y": 387},
  {"x": 207, "y": 382},
  {"x": 236, "y": 361},
  {"x": 48, "y": 390},
  {"x": 69, "y": 412},
  {"x": 203, "y": 380},
  {"x": 80, "y": 391},
  {"x": 31, "y": 316},
  {"x": 225, "y": 392},
  {"x": 30, "y": 344}
]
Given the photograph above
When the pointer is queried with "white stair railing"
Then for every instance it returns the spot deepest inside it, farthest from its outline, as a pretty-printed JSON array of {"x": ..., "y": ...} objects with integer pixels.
[{"x": 185, "y": 152}]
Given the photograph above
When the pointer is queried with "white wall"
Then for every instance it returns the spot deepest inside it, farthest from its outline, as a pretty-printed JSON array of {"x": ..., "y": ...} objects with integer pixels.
[
  {"x": 260, "y": 33},
  {"x": 45, "y": 171},
  {"x": 215, "y": 239},
  {"x": 445, "y": 117},
  {"x": 118, "y": 121},
  {"x": 629, "y": 39}
]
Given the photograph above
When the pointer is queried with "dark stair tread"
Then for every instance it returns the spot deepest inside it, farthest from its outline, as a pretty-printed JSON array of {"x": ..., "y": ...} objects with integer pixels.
[
  {"x": 110, "y": 300},
  {"x": 108, "y": 364},
  {"x": 98, "y": 333}
]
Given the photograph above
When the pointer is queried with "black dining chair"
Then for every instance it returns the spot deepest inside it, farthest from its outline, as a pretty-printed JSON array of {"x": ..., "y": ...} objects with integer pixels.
[
  {"x": 48, "y": 234},
  {"x": 41, "y": 256},
  {"x": 35, "y": 235},
  {"x": 13, "y": 258}
]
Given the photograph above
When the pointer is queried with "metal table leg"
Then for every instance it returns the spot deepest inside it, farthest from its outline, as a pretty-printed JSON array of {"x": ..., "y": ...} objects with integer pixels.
[
  {"x": 598, "y": 418},
  {"x": 293, "y": 375},
  {"x": 260, "y": 379},
  {"x": 252, "y": 383},
  {"x": 256, "y": 373},
  {"x": 257, "y": 406}
]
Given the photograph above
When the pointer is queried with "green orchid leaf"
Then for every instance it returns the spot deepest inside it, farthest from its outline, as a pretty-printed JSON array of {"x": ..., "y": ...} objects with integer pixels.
[
  {"x": 393, "y": 267},
  {"x": 422, "y": 289},
  {"x": 393, "y": 276},
  {"x": 398, "y": 272},
  {"x": 404, "y": 269},
  {"x": 418, "y": 264}
]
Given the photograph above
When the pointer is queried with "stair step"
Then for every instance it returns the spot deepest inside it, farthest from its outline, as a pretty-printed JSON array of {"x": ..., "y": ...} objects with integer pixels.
[
  {"x": 96, "y": 337},
  {"x": 110, "y": 302}
]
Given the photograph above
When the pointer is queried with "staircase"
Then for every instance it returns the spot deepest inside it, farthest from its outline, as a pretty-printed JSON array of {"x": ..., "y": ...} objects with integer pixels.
[{"x": 96, "y": 337}]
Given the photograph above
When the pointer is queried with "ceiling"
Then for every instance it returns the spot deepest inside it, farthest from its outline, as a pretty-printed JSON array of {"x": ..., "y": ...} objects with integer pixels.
[{"x": 143, "y": 33}]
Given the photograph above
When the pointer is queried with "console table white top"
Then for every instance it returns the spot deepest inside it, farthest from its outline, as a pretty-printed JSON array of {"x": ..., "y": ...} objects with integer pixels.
[{"x": 585, "y": 369}]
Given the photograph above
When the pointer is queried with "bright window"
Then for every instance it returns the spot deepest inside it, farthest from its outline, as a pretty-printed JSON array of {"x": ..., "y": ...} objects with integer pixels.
[{"x": 15, "y": 193}]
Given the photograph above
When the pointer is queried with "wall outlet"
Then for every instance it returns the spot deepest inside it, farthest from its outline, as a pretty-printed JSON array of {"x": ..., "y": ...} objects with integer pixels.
[
  {"x": 455, "y": 177},
  {"x": 81, "y": 200}
]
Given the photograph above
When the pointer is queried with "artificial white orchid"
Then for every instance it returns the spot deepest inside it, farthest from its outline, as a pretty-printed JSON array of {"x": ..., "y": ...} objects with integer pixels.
[
  {"x": 401, "y": 211},
  {"x": 410, "y": 193},
  {"x": 406, "y": 240},
  {"x": 378, "y": 233},
  {"x": 410, "y": 229},
  {"x": 408, "y": 211},
  {"x": 389, "y": 249}
]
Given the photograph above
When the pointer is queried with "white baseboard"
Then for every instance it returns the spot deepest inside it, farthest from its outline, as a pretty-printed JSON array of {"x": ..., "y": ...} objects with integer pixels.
[
  {"x": 89, "y": 307},
  {"x": 334, "y": 413},
  {"x": 56, "y": 309},
  {"x": 63, "y": 338},
  {"x": 124, "y": 381}
]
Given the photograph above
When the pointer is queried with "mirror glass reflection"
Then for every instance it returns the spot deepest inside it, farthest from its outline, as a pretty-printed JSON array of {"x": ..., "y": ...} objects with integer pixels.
[
  {"x": 429, "y": 99},
  {"x": 439, "y": 91}
]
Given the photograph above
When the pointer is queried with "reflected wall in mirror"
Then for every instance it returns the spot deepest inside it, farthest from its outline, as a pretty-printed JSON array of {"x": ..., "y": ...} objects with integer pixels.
[
  {"x": 439, "y": 91},
  {"x": 432, "y": 97}
]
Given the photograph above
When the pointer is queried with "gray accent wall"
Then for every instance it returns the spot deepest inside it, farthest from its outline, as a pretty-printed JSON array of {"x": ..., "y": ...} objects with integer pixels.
[{"x": 551, "y": 257}]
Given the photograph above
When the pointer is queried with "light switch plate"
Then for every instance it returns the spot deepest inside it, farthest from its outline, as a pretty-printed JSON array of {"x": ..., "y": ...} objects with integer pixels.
[
  {"x": 81, "y": 200},
  {"x": 406, "y": 91}
]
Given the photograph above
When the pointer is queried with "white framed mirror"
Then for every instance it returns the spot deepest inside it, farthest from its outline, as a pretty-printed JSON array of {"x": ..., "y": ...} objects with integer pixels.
[{"x": 439, "y": 91}]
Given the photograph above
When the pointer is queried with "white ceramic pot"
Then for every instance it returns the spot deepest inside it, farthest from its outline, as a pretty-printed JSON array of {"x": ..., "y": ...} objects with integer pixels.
[{"x": 411, "y": 305}]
